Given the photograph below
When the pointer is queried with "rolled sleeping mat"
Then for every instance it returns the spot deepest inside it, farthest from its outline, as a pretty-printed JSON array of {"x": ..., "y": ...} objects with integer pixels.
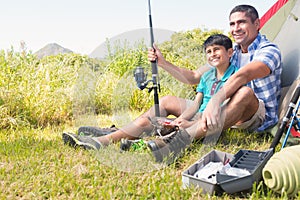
[{"x": 282, "y": 173}]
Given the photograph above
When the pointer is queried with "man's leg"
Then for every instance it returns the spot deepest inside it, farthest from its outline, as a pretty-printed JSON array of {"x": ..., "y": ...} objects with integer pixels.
[
  {"x": 169, "y": 105},
  {"x": 241, "y": 107}
]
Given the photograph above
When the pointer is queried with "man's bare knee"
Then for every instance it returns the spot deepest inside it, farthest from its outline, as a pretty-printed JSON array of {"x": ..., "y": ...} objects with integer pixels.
[
  {"x": 245, "y": 96},
  {"x": 246, "y": 102}
]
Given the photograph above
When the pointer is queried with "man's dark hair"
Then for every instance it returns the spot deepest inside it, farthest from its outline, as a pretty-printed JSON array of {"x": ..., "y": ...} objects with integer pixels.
[
  {"x": 250, "y": 11},
  {"x": 218, "y": 39}
]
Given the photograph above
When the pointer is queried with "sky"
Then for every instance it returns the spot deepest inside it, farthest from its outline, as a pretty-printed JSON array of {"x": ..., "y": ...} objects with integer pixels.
[{"x": 82, "y": 26}]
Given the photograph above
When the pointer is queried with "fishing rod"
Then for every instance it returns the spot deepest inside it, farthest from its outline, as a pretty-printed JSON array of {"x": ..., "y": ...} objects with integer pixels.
[
  {"x": 154, "y": 68},
  {"x": 286, "y": 118},
  {"x": 140, "y": 76}
]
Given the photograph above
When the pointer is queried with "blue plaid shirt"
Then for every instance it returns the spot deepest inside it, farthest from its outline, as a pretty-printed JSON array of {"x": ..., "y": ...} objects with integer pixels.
[{"x": 267, "y": 88}]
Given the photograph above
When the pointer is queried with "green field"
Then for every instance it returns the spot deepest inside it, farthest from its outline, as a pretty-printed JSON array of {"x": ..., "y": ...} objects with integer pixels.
[{"x": 42, "y": 98}]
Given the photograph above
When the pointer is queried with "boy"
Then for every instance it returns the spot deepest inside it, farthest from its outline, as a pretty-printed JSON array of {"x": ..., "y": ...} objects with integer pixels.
[{"x": 218, "y": 50}]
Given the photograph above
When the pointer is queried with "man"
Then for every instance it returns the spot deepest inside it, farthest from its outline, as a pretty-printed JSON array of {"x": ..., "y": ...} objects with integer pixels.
[{"x": 252, "y": 93}]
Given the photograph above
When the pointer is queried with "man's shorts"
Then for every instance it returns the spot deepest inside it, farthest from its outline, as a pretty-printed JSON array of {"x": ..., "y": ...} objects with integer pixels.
[{"x": 256, "y": 121}]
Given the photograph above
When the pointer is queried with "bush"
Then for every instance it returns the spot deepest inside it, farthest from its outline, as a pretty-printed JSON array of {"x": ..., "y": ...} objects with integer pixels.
[{"x": 37, "y": 92}]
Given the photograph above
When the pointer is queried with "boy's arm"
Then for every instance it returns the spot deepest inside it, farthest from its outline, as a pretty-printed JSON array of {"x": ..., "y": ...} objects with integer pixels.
[{"x": 182, "y": 74}]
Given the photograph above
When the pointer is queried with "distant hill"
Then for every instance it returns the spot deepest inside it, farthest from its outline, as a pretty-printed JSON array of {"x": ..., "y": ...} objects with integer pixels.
[
  {"x": 51, "y": 49},
  {"x": 133, "y": 37}
]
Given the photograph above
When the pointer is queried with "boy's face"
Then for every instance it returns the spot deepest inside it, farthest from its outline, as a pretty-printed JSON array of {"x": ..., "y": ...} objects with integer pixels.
[{"x": 218, "y": 56}]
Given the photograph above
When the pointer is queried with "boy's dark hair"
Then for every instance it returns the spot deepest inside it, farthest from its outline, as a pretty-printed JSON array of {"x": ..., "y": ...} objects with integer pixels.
[
  {"x": 218, "y": 39},
  {"x": 250, "y": 11}
]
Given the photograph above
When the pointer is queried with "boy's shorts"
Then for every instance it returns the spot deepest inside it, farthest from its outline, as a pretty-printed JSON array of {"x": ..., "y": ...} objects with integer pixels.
[{"x": 256, "y": 121}]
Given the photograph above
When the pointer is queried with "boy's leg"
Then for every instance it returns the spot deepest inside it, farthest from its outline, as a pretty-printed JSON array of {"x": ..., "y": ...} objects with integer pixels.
[{"x": 170, "y": 105}]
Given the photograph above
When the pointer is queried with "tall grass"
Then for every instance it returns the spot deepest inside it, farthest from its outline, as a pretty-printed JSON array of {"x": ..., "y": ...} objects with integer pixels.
[
  {"x": 57, "y": 89},
  {"x": 36, "y": 92}
]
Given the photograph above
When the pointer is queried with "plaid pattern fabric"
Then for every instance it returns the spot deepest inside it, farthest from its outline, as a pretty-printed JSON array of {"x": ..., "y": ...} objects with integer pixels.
[{"x": 267, "y": 88}]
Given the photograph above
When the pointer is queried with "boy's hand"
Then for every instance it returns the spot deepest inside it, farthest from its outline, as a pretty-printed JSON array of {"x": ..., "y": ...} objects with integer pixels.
[
  {"x": 154, "y": 54},
  {"x": 183, "y": 123}
]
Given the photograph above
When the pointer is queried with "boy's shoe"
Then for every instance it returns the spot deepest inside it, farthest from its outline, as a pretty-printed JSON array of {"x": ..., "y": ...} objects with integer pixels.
[
  {"x": 80, "y": 141},
  {"x": 135, "y": 145},
  {"x": 125, "y": 144},
  {"x": 95, "y": 131},
  {"x": 167, "y": 149}
]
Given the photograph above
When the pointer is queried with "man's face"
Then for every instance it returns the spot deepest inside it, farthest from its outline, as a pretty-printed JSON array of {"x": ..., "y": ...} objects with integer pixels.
[{"x": 242, "y": 29}]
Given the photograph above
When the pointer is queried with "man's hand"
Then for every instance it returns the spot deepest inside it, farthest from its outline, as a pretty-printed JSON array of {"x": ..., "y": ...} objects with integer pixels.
[{"x": 211, "y": 117}]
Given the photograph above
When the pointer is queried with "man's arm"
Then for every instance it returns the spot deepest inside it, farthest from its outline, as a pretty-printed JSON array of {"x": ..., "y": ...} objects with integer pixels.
[
  {"x": 182, "y": 74},
  {"x": 251, "y": 71}
]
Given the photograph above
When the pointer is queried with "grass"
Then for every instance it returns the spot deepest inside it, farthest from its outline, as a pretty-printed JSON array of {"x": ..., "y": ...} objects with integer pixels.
[{"x": 35, "y": 164}]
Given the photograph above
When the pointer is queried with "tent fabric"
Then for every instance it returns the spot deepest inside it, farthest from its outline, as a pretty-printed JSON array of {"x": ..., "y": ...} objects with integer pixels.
[
  {"x": 283, "y": 28},
  {"x": 281, "y": 25},
  {"x": 276, "y": 17},
  {"x": 272, "y": 11}
]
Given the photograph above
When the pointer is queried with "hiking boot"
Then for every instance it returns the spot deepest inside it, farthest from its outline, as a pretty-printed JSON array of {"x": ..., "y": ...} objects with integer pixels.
[
  {"x": 167, "y": 149},
  {"x": 95, "y": 131},
  {"x": 80, "y": 141}
]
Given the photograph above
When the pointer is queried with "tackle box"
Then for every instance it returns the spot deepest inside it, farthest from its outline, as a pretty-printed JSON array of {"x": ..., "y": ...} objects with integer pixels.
[
  {"x": 249, "y": 162},
  {"x": 188, "y": 178}
]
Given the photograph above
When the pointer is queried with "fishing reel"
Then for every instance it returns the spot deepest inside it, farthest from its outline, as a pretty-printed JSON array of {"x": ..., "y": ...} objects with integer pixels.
[{"x": 141, "y": 78}]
